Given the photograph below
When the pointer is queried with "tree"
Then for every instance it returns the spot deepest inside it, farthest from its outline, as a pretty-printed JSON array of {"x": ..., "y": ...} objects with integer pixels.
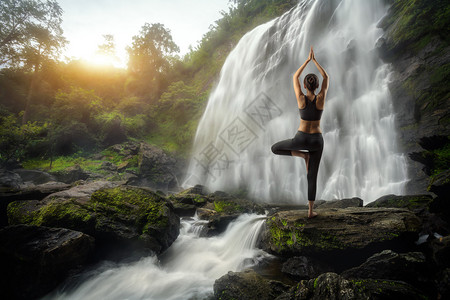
[
  {"x": 30, "y": 35},
  {"x": 148, "y": 56},
  {"x": 108, "y": 47},
  {"x": 30, "y": 30}
]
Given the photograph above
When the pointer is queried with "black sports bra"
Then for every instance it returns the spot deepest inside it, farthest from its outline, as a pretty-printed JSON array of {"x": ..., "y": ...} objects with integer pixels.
[{"x": 310, "y": 112}]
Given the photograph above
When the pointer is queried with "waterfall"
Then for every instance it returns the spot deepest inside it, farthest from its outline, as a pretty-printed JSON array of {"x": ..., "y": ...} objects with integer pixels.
[
  {"x": 187, "y": 270},
  {"x": 253, "y": 106}
]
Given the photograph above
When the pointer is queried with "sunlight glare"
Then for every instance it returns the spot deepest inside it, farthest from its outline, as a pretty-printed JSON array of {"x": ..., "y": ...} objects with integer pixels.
[{"x": 103, "y": 60}]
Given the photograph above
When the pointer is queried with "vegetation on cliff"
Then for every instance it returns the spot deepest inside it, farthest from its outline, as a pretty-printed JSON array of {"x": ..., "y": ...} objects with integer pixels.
[{"x": 50, "y": 109}]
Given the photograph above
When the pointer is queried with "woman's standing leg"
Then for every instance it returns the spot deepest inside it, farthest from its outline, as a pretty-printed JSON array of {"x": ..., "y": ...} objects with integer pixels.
[{"x": 314, "y": 161}]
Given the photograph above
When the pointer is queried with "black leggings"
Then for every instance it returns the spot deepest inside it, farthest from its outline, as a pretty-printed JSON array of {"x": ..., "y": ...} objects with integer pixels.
[{"x": 313, "y": 142}]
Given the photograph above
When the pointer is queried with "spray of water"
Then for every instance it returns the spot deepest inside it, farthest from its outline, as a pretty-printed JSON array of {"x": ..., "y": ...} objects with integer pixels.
[
  {"x": 186, "y": 271},
  {"x": 253, "y": 106}
]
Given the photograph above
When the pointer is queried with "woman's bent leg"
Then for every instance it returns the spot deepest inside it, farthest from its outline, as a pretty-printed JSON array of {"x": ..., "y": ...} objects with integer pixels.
[{"x": 283, "y": 147}]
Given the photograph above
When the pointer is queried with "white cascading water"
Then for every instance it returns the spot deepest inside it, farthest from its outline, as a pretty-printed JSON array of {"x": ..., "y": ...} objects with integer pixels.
[
  {"x": 187, "y": 270},
  {"x": 253, "y": 106}
]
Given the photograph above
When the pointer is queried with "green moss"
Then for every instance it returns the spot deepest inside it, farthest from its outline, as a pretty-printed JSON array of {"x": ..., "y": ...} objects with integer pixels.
[
  {"x": 144, "y": 208},
  {"x": 315, "y": 283},
  {"x": 67, "y": 213},
  {"x": 416, "y": 21},
  {"x": 17, "y": 214},
  {"x": 292, "y": 236},
  {"x": 226, "y": 206}
]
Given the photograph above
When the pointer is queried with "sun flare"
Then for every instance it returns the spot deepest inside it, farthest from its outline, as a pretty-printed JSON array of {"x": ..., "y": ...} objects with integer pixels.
[{"x": 103, "y": 60}]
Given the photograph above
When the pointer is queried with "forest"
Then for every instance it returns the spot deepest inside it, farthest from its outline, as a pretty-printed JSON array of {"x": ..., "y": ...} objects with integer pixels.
[{"x": 54, "y": 112}]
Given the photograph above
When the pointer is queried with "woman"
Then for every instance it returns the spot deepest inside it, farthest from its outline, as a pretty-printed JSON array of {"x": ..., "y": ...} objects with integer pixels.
[{"x": 309, "y": 135}]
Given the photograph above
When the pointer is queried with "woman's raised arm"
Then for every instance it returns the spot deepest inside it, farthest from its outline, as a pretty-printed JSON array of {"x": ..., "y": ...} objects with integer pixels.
[
  {"x": 323, "y": 91},
  {"x": 297, "y": 87}
]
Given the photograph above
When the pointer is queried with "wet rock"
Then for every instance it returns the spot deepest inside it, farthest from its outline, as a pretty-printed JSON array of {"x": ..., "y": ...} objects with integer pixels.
[
  {"x": 184, "y": 210},
  {"x": 343, "y": 203},
  {"x": 197, "y": 189},
  {"x": 218, "y": 223},
  {"x": 410, "y": 267},
  {"x": 35, "y": 259},
  {"x": 223, "y": 208},
  {"x": 303, "y": 267},
  {"x": 205, "y": 214},
  {"x": 123, "y": 217},
  {"x": 332, "y": 286},
  {"x": 334, "y": 233},
  {"x": 192, "y": 199},
  {"x": 247, "y": 285}
]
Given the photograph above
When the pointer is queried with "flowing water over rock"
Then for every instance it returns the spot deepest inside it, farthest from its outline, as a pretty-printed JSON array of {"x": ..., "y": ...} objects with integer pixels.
[
  {"x": 254, "y": 106},
  {"x": 186, "y": 271}
]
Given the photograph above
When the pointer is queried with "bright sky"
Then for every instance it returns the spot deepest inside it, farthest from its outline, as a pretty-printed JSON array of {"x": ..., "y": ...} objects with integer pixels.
[{"x": 86, "y": 21}]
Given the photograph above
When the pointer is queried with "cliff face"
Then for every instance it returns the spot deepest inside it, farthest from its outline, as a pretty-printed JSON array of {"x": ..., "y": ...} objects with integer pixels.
[{"x": 416, "y": 43}]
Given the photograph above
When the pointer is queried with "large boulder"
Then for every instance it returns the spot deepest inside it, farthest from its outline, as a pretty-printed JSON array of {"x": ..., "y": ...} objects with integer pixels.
[
  {"x": 410, "y": 267},
  {"x": 247, "y": 285},
  {"x": 156, "y": 169},
  {"x": 34, "y": 176},
  {"x": 28, "y": 192},
  {"x": 355, "y": 231},
  {"x": 332, "y": 286},
  {"x": 412, "y": 202},
  {"x": 35, "y": 259},
  {"x": 122, "y": 217},
  {"x": 9, "y": 181},
  {"x": 421, "y": 205}
]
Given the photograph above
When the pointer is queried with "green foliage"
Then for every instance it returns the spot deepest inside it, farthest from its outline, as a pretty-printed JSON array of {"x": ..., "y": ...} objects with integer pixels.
[
  {"x": 16, "y": 139},
  {"x": 161, "y": 98},
  {"x": 61, "y": 163},
  {"x": 30, "y": 32}
]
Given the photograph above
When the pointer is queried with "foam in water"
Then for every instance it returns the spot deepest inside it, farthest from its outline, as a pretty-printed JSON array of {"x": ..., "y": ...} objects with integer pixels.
[
  {"x": 186, "y": 271},
  {"x": 254, "y": 106}
]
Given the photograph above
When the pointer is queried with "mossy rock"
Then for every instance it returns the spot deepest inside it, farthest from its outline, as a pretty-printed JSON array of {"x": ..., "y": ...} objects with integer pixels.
[
  {"x": 121, "y": 215},
  {"x": 291, "y": 233},
  {"x": 332, "y": 286},
  {"x": 191, "y": 199},
  {"x": 411, "y": 202}
]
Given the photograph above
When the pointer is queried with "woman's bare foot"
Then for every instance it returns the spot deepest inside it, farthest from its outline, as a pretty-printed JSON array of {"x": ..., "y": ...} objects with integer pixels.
[{"x": 312, "y": 215}]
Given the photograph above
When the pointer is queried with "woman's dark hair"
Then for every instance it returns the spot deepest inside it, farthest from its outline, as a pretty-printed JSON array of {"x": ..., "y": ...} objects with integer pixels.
[{"x": 311, "y": 81}]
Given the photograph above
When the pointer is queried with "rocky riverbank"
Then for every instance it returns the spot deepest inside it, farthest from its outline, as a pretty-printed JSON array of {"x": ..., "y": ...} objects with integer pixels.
[{"x": 394, "y": 247}]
